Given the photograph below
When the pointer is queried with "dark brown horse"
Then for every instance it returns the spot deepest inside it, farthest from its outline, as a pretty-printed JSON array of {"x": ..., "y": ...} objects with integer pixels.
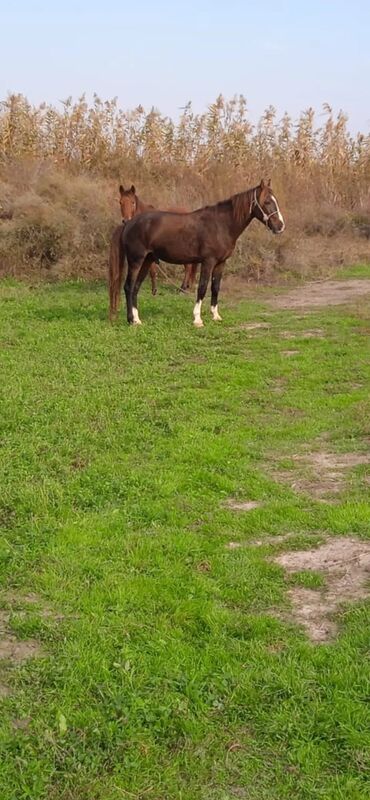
[
  {"x": 206, "y": 236},
  {"x": 131, "y": 205}
]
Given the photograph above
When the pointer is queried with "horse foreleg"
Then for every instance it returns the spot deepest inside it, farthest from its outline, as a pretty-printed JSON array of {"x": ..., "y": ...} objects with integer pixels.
[
  {"x": 205, "y": 272},
  {"x": 215, "y": 287}
]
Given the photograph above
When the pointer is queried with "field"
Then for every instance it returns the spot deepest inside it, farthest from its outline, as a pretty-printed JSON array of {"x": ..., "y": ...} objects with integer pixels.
[{"x": 151, "y": 644}]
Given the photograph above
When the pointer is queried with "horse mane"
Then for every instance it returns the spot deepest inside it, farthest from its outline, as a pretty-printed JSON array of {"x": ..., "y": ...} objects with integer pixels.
[{"x": 241, "y": 205}]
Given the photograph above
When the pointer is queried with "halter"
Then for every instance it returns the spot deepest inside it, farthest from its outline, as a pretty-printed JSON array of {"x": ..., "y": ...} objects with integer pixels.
[{"x": 254, "y": 203}]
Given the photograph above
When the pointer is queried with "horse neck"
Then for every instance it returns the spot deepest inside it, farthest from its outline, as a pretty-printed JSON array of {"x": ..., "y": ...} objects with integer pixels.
[
  {"x": 141, "y": 206},
  {"x": 241, "y": 211}
]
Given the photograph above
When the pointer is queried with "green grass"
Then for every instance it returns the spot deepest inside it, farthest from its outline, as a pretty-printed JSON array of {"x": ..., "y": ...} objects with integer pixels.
[
  {"x": 356, "y": 271},
  {"x": 164, "y": 674}
]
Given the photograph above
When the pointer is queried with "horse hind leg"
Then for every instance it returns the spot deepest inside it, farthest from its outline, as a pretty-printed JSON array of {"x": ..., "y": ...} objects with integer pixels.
[
  {"x": 186, "y": 279},
  {"x": 153, "y": 277},
  {"x": 116, "y": 271},
  {"x": 215, "y": 287},
  {"x": 131, "y": 297},
  {"x": 205, "y": 272},
  {"x": 144, "y": 269},
  {"x": 192, "y": 275}
]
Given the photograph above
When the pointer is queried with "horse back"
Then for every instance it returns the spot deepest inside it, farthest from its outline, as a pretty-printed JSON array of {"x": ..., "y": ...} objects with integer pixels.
[{"x": 177, "y": 210}]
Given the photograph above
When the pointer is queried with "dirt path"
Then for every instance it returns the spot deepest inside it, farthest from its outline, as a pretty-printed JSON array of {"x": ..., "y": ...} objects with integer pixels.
[{"x": 323, "y": 293}]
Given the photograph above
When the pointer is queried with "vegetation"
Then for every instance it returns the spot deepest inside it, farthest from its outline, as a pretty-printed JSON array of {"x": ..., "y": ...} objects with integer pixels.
[
  {"x": 59, "y": 172},
  {"x": 165, "y": 670}
]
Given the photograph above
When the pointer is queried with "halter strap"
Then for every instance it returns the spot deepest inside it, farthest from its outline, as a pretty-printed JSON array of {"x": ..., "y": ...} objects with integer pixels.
[{"x": 255, "y": 203}]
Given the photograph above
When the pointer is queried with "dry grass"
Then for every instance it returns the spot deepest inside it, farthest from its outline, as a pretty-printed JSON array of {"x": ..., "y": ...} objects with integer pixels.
[{"x": 59, "y": 172}]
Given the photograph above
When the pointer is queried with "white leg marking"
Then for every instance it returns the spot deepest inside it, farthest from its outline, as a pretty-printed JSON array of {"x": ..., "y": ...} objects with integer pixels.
[
  {"x": 279, "y": 214},
  {"x": 135, "y": 314},
  {"x": 215, "y": 314},
  {"x": 197, "y": 318}
]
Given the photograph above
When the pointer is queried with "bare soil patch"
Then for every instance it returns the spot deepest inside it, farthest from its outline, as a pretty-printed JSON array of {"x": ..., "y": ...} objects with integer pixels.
[
  {"x": 4, "y": 616},
  {"x": 288, "y": 353},
  {"x": 345, "y": 564},
  {"x": 17, "y": 651},
  {"x": 278, "y": 539},
  {"x": 314, "y": 333},
  {"x": 17, "y": 600},
  {"x": 237, "y": 505},
  {"x": 252, "y": 326},
  {"x": 5, "y": 691},
  {"x": 21, "y": 724},
  {"x": 323, "y": 293},
  {"x": 320, "y": 473},
  {"x": 13, "y": 649},
  {"x": 279, "y": 386}
]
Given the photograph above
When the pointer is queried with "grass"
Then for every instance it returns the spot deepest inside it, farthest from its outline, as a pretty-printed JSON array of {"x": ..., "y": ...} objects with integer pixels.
[{"x": 163, "y": 673}]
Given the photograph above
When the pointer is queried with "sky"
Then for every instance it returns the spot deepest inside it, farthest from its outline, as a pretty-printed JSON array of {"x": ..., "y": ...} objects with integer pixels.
[{"x": 164, "y": 53}]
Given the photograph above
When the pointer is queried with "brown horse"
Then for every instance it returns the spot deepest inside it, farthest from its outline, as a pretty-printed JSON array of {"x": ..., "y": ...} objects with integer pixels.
[
  {"x": 206, "y": 236},
  {"x": 131, "y": 205}
]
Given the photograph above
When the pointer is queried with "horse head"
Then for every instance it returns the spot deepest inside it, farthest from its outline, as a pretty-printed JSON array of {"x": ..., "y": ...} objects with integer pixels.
[
  {"x": 265, "y": 208},
  {"x": 128, "y": 202}
]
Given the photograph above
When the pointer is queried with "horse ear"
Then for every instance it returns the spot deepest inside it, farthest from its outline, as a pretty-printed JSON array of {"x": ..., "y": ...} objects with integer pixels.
[
  {"x": 133, "y": 190},
  {"x": 121, "y": 189},
  {"x": 269, "y": 182},
  {"x": 262, "y": 184}
]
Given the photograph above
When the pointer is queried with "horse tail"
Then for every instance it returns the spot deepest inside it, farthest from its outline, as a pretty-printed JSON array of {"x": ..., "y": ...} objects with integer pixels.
[{"x": 116, "y": 271}]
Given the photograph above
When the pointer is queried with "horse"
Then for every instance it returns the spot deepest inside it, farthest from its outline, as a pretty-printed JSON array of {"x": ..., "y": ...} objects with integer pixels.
[
  {"x": 206, "y": 236},
  {"x": 131, "y": 205}
]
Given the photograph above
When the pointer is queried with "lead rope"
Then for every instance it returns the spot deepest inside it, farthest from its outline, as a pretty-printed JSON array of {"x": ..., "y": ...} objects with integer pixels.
[{"x": 169, "y": 280}]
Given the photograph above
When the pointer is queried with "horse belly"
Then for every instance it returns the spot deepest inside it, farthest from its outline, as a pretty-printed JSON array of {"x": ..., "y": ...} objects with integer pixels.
[
  {"x": 175, "y": 256},
  {"x": 177, "y": 247}
]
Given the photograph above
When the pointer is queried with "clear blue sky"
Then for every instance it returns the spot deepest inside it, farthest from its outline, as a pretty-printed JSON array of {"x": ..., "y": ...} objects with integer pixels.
[{"x": 166, "y": 52}]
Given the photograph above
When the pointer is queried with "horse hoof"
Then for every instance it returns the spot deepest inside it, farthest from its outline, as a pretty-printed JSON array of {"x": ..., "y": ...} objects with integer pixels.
[
  {"x": 199, "y": 323},
  {"x": 154, "y": 292},
  {"x": 137, "y": 322}
]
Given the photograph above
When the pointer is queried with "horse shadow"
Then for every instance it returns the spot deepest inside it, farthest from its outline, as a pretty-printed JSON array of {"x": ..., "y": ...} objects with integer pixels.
[
  {"x": 56, "y": 313},
  {"x": 151, "y": 308}
]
